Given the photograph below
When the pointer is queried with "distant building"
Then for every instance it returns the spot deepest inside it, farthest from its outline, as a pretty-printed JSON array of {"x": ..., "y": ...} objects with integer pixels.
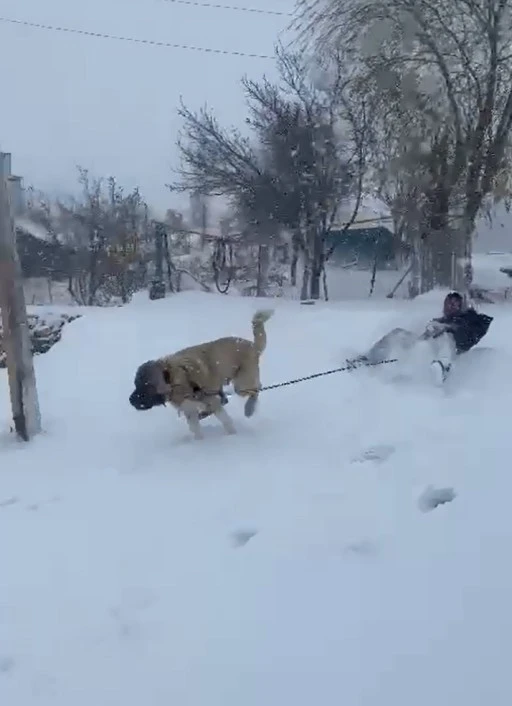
[
  {"x": 40, "y": 254},
  {"x": 369, "y": 238},
  {"x": 363, "y": 244}
]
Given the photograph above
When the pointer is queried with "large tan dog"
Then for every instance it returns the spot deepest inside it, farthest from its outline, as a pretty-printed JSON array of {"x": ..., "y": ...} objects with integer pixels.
[{"x": 192, "y": 379}]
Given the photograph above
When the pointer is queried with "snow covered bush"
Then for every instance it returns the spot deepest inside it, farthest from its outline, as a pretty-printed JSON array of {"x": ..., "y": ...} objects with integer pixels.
[{"x": 45, "y": 332}]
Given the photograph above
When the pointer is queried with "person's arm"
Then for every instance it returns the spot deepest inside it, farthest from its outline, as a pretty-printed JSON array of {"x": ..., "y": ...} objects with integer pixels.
[{"x": 436, "y": 327}]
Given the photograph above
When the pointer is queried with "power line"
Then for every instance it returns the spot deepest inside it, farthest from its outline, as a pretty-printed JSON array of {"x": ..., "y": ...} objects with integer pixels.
[
  {"x": 238, "y": 8},
  {"x": 135, "y": 40}
]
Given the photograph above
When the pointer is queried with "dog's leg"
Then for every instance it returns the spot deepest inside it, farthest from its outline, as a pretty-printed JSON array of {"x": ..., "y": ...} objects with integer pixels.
[
  {"x": 191, "y": 412},
  {"x": 225, "y": 420},
  {"x": 194, "y": 426},
  {"x": 223, "y": 400},
  {"x": 251, "y": 404},
  {"x": 216, "y": 405},
  {"x": 247, "y": 384}
]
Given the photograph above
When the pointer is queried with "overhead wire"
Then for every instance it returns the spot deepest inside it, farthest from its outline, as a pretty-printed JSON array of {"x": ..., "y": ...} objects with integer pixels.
[
  {"x": 135, "y": 40},
  {"x": 237, "y": 8}
]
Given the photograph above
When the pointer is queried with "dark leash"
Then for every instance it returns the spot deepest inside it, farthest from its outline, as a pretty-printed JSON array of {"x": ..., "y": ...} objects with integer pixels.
[{"x": 343, "y": 369}]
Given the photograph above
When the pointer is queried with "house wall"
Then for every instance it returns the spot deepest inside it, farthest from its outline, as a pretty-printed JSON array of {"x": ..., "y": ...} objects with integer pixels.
[
  {"x": 363, "y": 244},
  {"x": 42, "y": 259}
]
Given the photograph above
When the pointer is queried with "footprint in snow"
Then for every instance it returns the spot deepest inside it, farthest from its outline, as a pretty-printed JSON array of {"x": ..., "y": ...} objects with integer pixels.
[
  {"x": 433, "y": 497},
  {"x": 9, "y": 501},
  {"x": 377, "y": 454},
  {"x": 241, "y": 537},
  {"x": 6, "y": 664},
  {"x": 364, "y": 547},
  {"x": 127, "y": 618},
  {"x": 33, "y": 507}
]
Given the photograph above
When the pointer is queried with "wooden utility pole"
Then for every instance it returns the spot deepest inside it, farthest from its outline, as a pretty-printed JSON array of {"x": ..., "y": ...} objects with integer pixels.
[{"x": 16, "y": 336}]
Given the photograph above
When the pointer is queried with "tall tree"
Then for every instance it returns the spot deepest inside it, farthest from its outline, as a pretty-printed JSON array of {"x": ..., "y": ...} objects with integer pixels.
[
  {"x": 446, "y": 63},
  {"x": 300, "y": 165},
  {"x": 314, "y": 140}
]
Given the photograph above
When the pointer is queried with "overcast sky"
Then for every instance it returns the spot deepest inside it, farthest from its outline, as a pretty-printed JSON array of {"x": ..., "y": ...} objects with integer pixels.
[{"x": 110, "y": 105}]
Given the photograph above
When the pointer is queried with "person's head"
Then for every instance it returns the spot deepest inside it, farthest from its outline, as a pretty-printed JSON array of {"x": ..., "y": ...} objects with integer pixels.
[{"x": 453, "y": 304}]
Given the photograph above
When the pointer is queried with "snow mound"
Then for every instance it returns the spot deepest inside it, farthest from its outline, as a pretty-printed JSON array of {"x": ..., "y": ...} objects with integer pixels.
[
  {"x": 433, "y": 497},
  {"x": 489, "y": 275},
  {"x": 45, "y": 331}
]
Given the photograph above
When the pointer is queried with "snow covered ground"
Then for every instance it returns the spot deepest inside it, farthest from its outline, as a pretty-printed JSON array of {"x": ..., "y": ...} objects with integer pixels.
[{"x": 295, "y": 563}]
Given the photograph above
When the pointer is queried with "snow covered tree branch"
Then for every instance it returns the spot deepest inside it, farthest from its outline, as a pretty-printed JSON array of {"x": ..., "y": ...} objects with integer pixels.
[{"x": 307, "y": 155}]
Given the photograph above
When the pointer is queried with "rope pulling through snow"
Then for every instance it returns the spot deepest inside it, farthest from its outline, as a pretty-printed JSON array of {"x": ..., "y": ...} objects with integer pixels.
[{"x": 345, "y": 368}]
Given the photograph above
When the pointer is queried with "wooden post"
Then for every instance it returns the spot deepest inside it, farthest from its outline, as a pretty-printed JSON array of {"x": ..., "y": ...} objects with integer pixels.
[
  {"x": 16, "y": 335},
  {"x": 157, "y": 287},
  {"x": 159, "y": 252}
]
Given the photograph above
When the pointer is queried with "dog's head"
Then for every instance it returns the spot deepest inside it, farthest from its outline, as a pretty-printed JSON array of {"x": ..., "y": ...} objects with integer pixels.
[{"x": 151, "y": 386}]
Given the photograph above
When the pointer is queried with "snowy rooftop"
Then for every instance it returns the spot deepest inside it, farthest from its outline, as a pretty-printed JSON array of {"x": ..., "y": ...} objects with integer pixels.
[
  {"x": 371, "y": 213},
  {"x": 34, "y": 229}
]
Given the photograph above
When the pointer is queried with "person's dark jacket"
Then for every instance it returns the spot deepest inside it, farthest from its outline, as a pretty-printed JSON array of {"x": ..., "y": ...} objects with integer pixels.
[{"x": 467, "y": 328}]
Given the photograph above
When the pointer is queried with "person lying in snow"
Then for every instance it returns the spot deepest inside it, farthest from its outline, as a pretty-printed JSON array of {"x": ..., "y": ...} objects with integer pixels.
[{"x": 457, "y": 331}]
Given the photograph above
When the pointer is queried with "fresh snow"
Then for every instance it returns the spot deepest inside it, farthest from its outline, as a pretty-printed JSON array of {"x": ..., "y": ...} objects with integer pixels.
[
  {"x": 350, "y": 545},
  {"x": 487, "y": 269}
]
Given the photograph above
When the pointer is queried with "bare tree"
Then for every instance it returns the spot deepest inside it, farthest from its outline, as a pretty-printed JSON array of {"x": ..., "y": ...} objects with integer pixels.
[
  {"x": 295, "y": 172},
  {"x": 125, "y": 218},
  {"x": 401, "y": 182},
  {"x": 222, "y": 162},
  {"x": 298, "y": 126},
  {"x": 447, "y": 63},
  {"x": 105, "y": 228}
]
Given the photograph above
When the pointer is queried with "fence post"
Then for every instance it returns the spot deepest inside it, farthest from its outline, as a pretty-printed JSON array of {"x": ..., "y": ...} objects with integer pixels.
[
  {"x": 157, "y": 287},
  {"x": 16, "y": 334}
]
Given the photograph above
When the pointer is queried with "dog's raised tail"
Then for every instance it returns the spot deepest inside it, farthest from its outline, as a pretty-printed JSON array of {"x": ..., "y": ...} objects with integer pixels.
[{"x": 258, "y": 328}]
